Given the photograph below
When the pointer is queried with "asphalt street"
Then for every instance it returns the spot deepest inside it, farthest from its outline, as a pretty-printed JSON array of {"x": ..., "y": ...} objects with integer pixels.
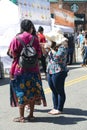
[{"x": 74, "y": 116}]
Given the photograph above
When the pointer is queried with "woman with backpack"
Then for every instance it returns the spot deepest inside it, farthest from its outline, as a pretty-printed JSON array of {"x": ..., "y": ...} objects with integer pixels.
[{"x": 25, "y": 82}]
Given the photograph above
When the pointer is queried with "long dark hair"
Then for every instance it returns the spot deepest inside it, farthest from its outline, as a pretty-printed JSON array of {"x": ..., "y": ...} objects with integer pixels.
[
  {"x": 34, "y": 31},
  {"x": 26, "y": 25}
]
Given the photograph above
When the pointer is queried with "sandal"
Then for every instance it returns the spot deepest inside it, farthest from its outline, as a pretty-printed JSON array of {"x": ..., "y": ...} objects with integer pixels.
[{"x": 19, "y": 119}]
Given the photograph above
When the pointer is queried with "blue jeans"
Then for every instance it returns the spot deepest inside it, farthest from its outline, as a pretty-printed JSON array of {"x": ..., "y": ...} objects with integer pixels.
[
  {"x": 56, "y": 83},
  {"x": 84, "y": 58}
]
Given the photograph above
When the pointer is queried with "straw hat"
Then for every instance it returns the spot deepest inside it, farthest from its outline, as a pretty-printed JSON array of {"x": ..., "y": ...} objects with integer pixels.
[{"x": 56, "y": 37}]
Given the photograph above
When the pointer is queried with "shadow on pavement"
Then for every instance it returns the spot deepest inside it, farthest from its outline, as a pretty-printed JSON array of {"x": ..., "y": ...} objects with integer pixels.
[
  {"x": 4, "y": 81},
  {"x": 73, "y": 118},
  {"x": 77, "y": 112},
  {"x": 60, "y": 120},
  {"x": 74, "y": 66}
]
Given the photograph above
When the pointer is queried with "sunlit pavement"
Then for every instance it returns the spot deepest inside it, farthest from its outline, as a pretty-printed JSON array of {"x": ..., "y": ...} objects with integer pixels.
[{"x": 74, "y": 116}]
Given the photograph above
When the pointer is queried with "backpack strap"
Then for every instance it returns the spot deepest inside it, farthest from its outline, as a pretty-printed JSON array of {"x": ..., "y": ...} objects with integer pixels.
[
  {"x": 31, "y": 42},
  {"x": 19, "y": 39},
  {"x": 23, "y": 44}
]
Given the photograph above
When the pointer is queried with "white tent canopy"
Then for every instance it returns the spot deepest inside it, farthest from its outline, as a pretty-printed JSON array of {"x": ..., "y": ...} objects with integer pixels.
[
  {"x": 9, "y": 21},
  {"x": 9, "y": 27},
  {"x": 8, "y": 15}
]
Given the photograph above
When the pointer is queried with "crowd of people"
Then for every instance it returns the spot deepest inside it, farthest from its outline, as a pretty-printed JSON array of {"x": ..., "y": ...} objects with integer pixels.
[
  {"x": 26, "y": 89},
  {"x": 81, "y": 41}
]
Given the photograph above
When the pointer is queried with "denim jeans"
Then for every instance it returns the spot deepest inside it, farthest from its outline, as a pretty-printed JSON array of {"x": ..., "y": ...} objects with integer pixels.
[
  {"x": 56, "y": 83},
  {"x": 43, "y": 63},
  {"x": 84, "y": 58},
  {"x": 70, "y": 56}
]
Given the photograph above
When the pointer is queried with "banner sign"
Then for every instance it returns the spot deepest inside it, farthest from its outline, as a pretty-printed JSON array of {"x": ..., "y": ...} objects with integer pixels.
[
  {"x": 38, "y": 11},
  {"x": 64, "y": 17}
]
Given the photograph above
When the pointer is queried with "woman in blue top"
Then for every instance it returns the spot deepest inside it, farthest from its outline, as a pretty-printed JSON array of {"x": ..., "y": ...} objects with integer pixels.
[{"x": 57, "y": 72}]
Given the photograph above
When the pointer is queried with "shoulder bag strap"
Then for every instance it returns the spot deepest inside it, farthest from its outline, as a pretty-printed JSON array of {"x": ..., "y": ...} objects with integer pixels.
[
  {"x": 19, "y": 39},
  {"x": 31, "y": 42},
  {"x": 23, "y": 44}
]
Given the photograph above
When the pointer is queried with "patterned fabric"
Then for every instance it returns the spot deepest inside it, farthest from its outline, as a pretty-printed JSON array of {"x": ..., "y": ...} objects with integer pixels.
[
  {"x": 27, "y": 87},
  {"x": 13, "y": 97},
  {"x": 57, "y": 61}
]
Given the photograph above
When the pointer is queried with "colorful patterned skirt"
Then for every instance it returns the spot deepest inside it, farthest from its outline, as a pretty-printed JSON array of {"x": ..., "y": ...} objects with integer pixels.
[{"x": 26, "y": 87}]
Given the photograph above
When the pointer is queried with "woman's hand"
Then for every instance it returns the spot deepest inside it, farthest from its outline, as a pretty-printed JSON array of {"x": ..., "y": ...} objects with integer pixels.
[{"x": 11, "y": 77}]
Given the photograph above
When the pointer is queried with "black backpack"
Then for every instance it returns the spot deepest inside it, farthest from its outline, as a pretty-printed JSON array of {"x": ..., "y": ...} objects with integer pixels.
[{"x": 28, "y": 57}]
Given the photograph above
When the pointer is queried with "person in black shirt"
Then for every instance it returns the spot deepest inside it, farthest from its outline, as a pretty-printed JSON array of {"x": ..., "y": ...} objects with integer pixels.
[{"x": 71, "y": 47}]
